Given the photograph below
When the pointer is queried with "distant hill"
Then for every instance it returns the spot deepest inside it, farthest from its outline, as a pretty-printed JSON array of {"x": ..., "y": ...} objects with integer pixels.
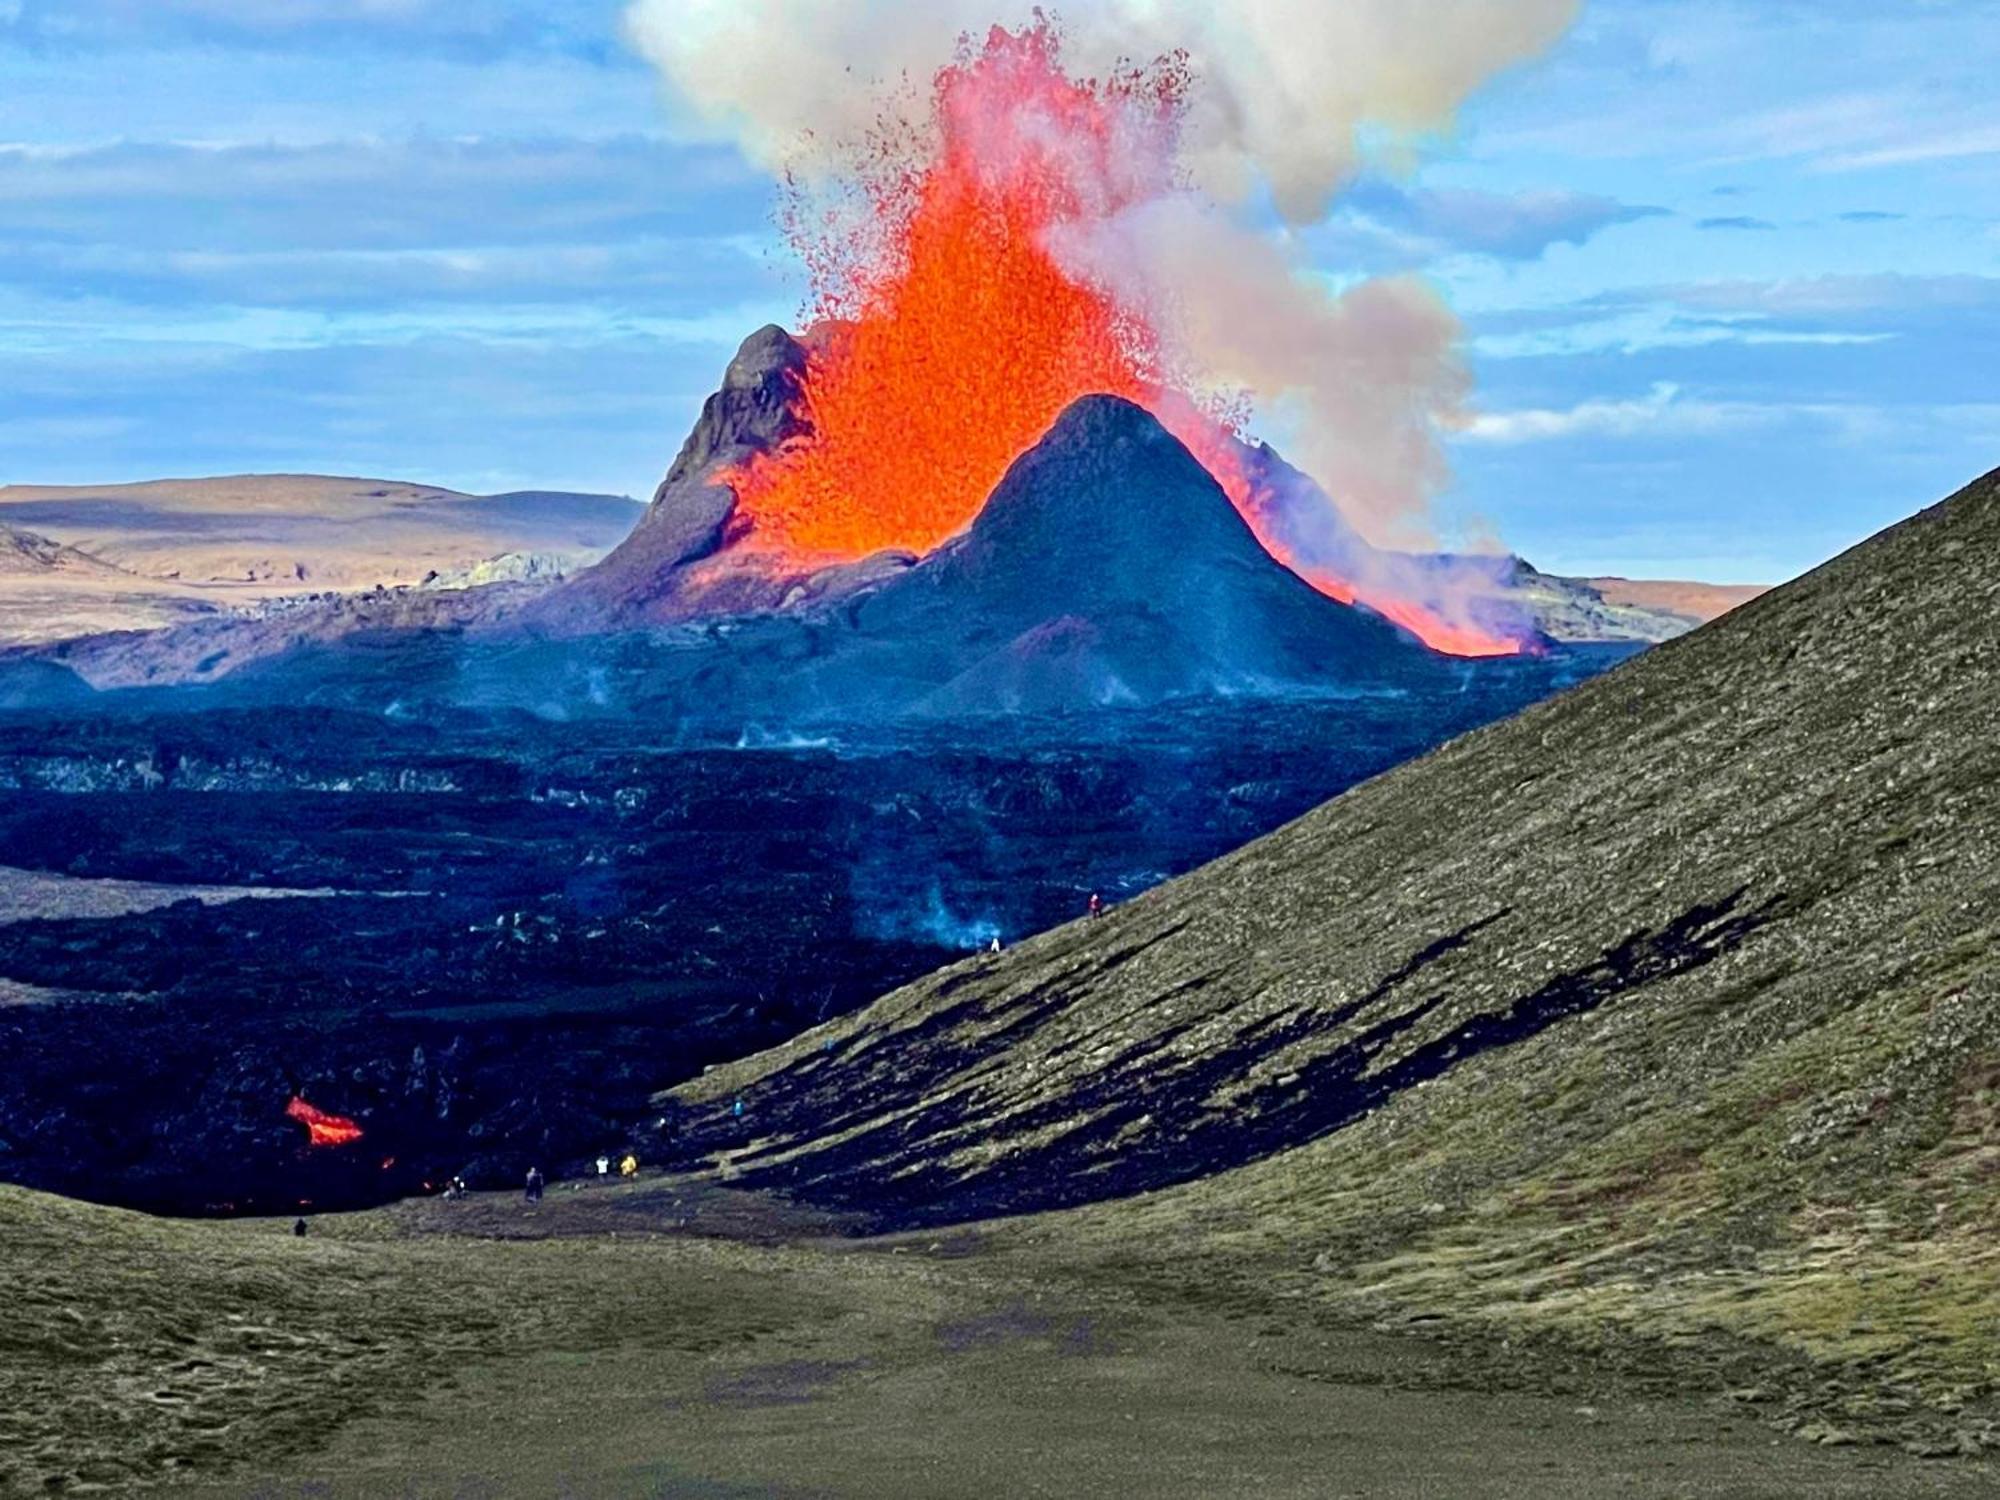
[
  {"x": 1619, "y": 609},
  {"x": 1668, "y": 1010},
  {"x": 1698, "y": 602},
  {"x": 52, "y": 592},
  {"x": 142, "y": 556}
]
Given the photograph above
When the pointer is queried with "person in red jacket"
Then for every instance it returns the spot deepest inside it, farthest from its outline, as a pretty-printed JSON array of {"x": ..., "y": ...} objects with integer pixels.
[{"x": 1096, "y": 904}]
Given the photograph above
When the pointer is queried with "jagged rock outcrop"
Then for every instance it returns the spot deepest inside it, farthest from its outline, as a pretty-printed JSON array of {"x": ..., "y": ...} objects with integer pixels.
[{"x": 688, "y": 521}]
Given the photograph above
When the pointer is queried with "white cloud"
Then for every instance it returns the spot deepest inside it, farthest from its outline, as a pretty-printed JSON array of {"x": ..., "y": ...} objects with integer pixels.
[
  {"x": 1659, "y": 413},
  {"x": 1412, "y": 226},
  {"x": 1664, "y": 412},
  {"x": 1951, "y": 146},
  {"x": 1837, "y": 295}
]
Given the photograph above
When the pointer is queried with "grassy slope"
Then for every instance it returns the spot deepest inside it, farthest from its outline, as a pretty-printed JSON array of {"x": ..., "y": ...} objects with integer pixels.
[
  {"x": 1737, "y": 909},
  {"x": 134, "y": 1348},
  {"x": 137, "y": 1350}
]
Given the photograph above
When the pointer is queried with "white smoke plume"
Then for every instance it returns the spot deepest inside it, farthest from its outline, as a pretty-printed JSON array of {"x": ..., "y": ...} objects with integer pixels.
[
  {"x": 1362, "y": 381},
  {"x": 1290, "y": 98},
  {"x": 1287, "y": 86}
]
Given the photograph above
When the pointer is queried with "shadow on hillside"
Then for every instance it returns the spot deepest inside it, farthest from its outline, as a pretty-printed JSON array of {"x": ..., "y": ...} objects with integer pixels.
[{"x": 1147, "y": 1118}]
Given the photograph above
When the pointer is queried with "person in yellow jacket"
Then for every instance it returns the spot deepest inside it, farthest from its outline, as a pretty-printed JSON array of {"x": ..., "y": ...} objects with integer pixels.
[{"x": 629, "y": 1167}]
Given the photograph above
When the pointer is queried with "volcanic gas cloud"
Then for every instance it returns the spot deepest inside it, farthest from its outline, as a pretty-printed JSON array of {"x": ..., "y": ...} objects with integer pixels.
[
  {"x": 323, "y": 1129},
  {"x": 1027, "y": 235}
]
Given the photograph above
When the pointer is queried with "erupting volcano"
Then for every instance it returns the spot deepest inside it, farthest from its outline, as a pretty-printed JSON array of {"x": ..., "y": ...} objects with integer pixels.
[
  {"x": 949, "y": 329},
  {"x": 946, "y": 338},
  {"x": 323, "y": 1129}
]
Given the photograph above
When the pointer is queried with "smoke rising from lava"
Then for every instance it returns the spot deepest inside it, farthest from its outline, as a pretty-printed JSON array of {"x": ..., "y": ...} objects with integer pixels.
[
  {"x": 1288, "y": 86},
  {"x": 1364, "y": 379},
  {"x": 1047, "y": 218}
]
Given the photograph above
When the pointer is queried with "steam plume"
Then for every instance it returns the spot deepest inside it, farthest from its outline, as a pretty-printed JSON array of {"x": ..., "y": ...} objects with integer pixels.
[{"x": 1287, "y": 85}]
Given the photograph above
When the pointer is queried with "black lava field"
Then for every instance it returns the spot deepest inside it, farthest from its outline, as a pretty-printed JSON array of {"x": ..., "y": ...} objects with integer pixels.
[{"x": 491, "y": 939}]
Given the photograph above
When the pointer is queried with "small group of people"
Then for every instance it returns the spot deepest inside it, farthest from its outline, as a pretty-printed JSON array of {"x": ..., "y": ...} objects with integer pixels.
[{"x": 539, "y": 1183}]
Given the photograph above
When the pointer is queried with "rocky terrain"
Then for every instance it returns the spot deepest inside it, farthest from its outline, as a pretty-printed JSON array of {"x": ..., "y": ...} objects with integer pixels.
[
  {"x": 570, "y": 839},
  {"x": 1655, "y": 1025},
  {"x": 540, "y": 847},
  {"x": 490, "y": 938}
]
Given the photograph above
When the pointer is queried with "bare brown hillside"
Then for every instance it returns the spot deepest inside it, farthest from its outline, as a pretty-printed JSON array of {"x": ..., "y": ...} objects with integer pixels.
[
  {"x": 167, "y": 552},
  {"x": 1699, "y": 602}
]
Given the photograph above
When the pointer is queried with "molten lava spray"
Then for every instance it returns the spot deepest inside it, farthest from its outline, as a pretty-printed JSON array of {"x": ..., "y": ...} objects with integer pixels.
[
  {"x": 323, "y": 1129},
  {"x": 1033, "y": 232},
  {"x": 947, "y": 337}
]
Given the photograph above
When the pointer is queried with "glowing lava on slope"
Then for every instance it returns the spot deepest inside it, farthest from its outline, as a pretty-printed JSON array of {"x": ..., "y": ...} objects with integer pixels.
[
  {"x": 323, "y": 1129},
  {"x": 948, "y": 336}
]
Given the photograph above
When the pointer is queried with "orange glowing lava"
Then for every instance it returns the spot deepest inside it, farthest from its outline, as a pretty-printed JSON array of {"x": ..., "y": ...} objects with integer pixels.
[
  {"x": 323, "y": 1129},
  {"x": 949, "y": 341},
  {"x": 947, "y": 337},
  {"x": 1216, "y": 446}
]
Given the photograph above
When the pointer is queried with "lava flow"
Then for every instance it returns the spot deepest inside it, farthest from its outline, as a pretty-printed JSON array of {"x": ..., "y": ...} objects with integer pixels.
[
  {"x": 948, "y": 335},
  {"x": 323, "y": 1129}
]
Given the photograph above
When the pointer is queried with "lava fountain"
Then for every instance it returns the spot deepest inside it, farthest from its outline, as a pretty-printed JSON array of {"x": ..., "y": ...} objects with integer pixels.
[
  {"x": 323, "y": 1129},
  {"x": 948, "y": 331},
  {"x": 946, "y": 338}
]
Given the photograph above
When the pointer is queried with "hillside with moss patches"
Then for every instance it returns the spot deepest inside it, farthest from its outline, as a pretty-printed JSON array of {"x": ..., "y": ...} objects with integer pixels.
[{"x": 1664, "y": 1012}]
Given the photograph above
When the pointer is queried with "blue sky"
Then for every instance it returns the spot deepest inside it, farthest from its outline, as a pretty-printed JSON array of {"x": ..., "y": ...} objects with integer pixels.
[{"x": 1730, "y": 269}]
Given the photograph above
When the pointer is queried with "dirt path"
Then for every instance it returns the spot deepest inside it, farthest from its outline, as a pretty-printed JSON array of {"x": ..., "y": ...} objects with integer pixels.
[{"x": 728, "y": 1367}]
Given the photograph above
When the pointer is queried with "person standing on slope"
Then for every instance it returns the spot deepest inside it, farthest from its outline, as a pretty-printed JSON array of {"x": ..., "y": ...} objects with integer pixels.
[{"x": 535, "y": 1184}]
